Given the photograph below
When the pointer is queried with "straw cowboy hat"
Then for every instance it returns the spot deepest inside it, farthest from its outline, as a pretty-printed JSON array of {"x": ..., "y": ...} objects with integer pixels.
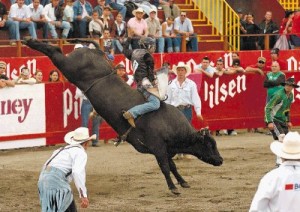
[
  {"x": 138, "y": 10},
  {"x": 290, "y": 81},
  {"x": 289, "y": 148},
  {"x": 78, "y": 136},
  {"x": 182, "y": 65}
]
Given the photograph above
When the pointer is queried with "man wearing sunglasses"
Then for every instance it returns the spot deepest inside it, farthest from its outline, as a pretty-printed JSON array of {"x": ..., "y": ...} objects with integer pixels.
[{"x": 259, "y": 67}]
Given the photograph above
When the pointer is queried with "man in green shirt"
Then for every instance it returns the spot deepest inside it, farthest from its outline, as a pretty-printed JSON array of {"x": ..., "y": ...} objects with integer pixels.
[{"x": 277, "y": 110}]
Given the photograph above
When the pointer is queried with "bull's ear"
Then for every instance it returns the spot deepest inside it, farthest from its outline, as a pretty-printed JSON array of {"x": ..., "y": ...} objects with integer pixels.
[{"x": 204, "y": 131}]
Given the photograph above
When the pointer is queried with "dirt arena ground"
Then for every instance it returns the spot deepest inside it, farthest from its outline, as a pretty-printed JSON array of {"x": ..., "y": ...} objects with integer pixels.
[{"x": 121, "y": 179}]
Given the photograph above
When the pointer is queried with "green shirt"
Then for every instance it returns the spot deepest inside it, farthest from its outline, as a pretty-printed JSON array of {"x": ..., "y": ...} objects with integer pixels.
[
  {"x": 273, "y": 82},
  {"x": 278, "y": 108}
]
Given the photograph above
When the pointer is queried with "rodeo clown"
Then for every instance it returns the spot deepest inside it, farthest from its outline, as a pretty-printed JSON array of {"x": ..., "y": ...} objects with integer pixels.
[
  {"x": 65, "y": 164},
  {"x": 143, "y": 68}
]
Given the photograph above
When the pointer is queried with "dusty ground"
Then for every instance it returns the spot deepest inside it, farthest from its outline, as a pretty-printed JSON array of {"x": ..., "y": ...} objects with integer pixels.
[{"x": 121, "y": 179}]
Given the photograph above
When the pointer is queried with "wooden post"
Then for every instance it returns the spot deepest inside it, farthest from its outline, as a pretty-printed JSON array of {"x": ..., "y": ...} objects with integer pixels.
[
  {"x": 183, "y": 43},
  {"x": 19, "y": 48},
  {"x": 267, "y": 42}
]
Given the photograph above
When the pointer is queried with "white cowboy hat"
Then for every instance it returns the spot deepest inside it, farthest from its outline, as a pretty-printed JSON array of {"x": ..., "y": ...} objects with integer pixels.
[
  {"x": 289, "y": 148},
  {"x": 182, "y": 65},
  {"x": 138, "y": 10},
  {"x": 78, "y": 136}
]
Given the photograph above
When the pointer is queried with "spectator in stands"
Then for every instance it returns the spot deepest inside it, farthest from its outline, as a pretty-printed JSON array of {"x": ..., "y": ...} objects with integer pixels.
[
  {"x": 169, "y": 8},
  {"x": 69, "y": 17},
  {"x": 53, "y": 14},
  {"x": 4, "y": 80},
  {"x": 205, "y": 68},
  {"x": 184, "y": 29},
  {"x": 25, "y": 78},
  {"x": 108, "y": 45},
  {"x": 66, "y": 164},
  {"x": 295, "y": 34},
  {"x": 96, "y": 26},
  {"x": 38, "y": 76},
  {"x": 250, "y": 42},
  {"x": 107, "y": 19},
  {"x": 154, "y": 28},
  {"x": 235, "y": 68},
  {"x": 145, "y": 5},
  {"x": 99, "y": 8},
  {"x": 26, "y": 2},
  {"x": 242, "y": 17},
  {"x": 121, "y": 72},
  {"x": 259, "y": 67},
  {"x": 219, "y": 69},
  {"x": 137, "y": 28},
  {"x": 82, "y": 16},
  {"x": 39, "y": 20},
  {"x": 118, "y": 5},
  {"x": 19, "y": 18},
  {"x": 274, "y": 79},
  {"x": 169, "y": 34},
  {"x": 54, "y": 76},
  {"x": 268, "y": 26},
  {"x": 286, "y": 26},
  {"x": 278, "y": 189},
  {"x": 275, "y": 57},
  {"x": 88, "y": 113},
  {"x": 119, "y": 33},
  {"x": 3, "y": 16}
]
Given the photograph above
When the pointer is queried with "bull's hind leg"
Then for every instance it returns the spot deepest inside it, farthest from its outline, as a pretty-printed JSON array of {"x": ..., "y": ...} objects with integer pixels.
[{"x": 178, "y": 177}]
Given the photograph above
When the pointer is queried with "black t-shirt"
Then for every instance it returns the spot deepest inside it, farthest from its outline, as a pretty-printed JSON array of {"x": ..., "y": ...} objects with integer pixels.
[{"x": 2, "y": 76}]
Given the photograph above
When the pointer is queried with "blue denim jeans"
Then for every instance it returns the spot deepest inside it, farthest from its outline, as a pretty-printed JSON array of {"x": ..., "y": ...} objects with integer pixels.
[
  {"x": 15, "y": 26},
  {"x": 121, "y": 8},
  {"x": 172, "y": 44},
  {"x": 117, "y": 46},
  {"x": 192, "y": 43},
  {"x": 86, "y": 109},
  {"x": 81, "y": 27},
  {"x": 187, "y": 112},
  {"x": 64, "y": 25},
  {"x": 153, "y": 103},
  {"x": 160, "y": 43}
]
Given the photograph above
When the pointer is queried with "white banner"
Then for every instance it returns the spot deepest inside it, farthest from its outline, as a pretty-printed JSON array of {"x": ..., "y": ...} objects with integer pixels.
[{"x": 22, "y": 110}]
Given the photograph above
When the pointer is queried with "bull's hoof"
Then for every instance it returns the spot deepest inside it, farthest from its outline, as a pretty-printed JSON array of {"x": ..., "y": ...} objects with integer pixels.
[
  {"x": 175, "y": 191},
  {"x": 185, "y": 185}
]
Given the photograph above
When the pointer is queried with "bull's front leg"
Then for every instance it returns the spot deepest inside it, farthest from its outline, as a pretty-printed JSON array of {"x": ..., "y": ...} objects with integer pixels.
[
  {"x": 163, "y": 163},
  {"x": 42, "y": 47},
  {"x": 178, "y": 177}
]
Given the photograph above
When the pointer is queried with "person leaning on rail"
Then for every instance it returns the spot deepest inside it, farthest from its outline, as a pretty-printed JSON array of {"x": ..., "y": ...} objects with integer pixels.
[{"x": 4, "y": 80}]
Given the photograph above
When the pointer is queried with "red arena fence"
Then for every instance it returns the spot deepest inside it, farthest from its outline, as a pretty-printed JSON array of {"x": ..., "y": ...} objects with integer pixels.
[{"x": 41, "y": 114}]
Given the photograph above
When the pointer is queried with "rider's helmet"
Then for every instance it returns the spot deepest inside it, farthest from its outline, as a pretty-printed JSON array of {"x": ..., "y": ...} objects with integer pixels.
[{"x": 147, "y": 43}]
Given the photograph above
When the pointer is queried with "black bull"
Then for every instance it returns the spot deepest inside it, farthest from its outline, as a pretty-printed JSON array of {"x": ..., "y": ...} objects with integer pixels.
[{"x": 162, "y": 133}]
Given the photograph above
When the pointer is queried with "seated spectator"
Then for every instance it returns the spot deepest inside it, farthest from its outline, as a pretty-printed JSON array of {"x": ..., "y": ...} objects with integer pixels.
[
  {"x": 100, "y": 7},
  {"x": 119, "y": 33},
  {"x": 38, "y": 76},
  {"x": 108, "y": 45},
  {"x": 268, "y": 26},
  {"x": 235, "y": 68},
  {"x": 118, "y": 5},
  {"x": 295, "y": 34},
  {"x": 3, "y": 16},
  {"x": 107, "y": 19},
  {"x": 155, "y": 31},
  {"x": 37, "y": 17},
  {"x": 121, "y": 72},
  {"x": 250, "y": 28},
  {"x": 82, "y": 16},
  {"x": 19, "y": 18},
  {"x": 275, "y": 57},
  {"x": 145, "y": 5},
  {"x": 54, "y": 76},
  {"x": 25, "y": 77},
  {"x": 205, "y": 68},
  {"x": 96, "y": 26},
  {"x": 169, "y": 8},
  {"x": 4, "y": 80},
  {"x": 183, "y": 27},
  {"x": 69, "y": 17},
  {"x": 53, "y": 14},
  {"x": 259, "y": 67},
  {"x": 137, "y": 28},
  {"x": 219, "y": 69},
  {"x": 169, "y": 34}
]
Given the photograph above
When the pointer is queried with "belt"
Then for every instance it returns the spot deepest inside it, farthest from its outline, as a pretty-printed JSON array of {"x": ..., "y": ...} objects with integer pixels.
[{"x": 182, "y": 107}]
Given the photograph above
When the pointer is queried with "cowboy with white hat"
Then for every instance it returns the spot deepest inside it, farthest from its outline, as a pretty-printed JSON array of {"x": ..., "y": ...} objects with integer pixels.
[
  {"x": 279, "y": 189},
  {"x": 65, "y": 164}
]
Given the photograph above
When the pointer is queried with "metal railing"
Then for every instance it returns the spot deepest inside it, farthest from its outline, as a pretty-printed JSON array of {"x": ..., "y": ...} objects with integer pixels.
[
  {"x": 290, "y": 4},
  {"x": 223, "y": 18}
]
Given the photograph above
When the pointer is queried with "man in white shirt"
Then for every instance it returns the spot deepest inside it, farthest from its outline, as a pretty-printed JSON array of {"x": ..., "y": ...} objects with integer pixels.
[
  {"x": 279, "y": 189},
  {"x": 205, "y": 68},
  {"x": 36, "y": 15},
  {"x": 66, "y": 164},
  {"x": 183, "y": 93},
  {"x": 19, "y": 18},
  {"x": 53, "y": 14}
]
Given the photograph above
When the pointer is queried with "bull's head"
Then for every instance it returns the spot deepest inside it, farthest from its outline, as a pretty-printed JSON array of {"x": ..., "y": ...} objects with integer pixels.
[{"x": 205, "y": 148}]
